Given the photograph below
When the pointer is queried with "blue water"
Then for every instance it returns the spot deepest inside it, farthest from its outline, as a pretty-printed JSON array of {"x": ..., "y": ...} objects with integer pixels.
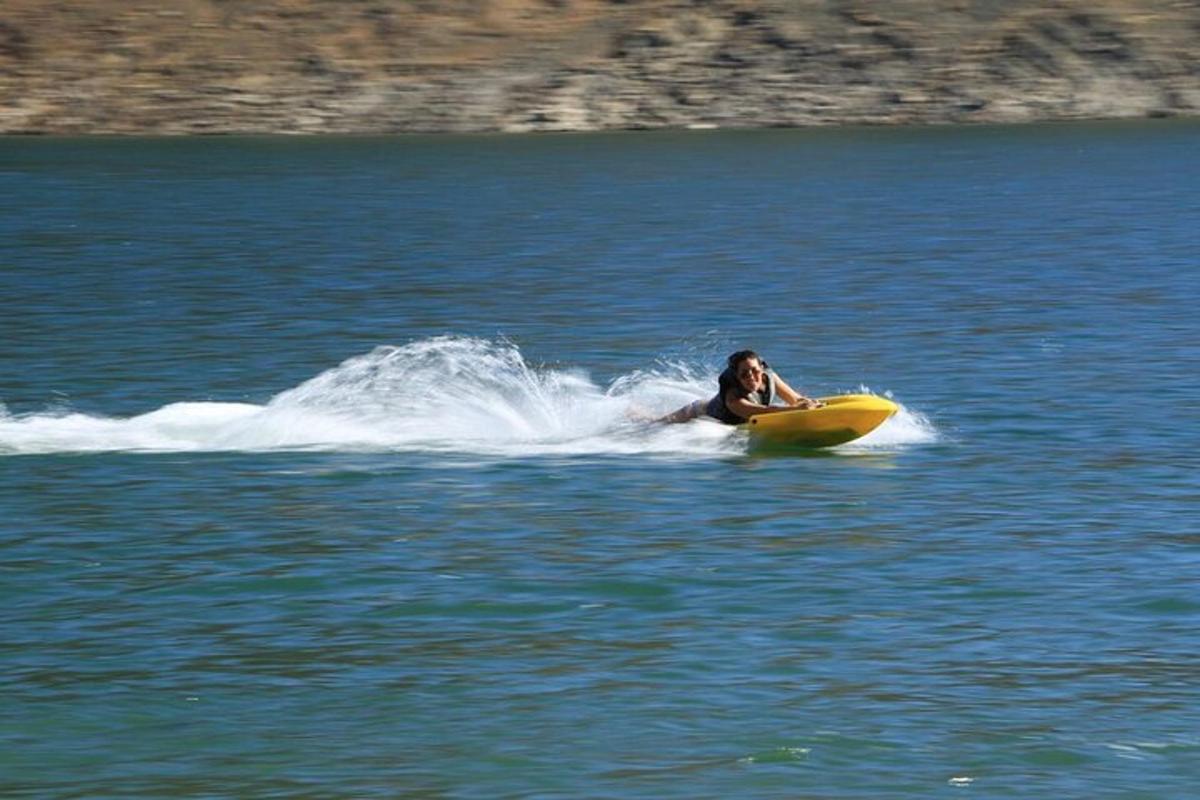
[{"x": 321, "y": 474}]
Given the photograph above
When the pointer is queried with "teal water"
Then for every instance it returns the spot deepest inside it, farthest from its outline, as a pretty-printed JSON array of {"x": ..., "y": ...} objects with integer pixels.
[{"x": 318, "y": 477}]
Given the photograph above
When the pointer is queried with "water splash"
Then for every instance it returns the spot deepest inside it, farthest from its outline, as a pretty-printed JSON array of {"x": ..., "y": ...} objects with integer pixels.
[
  {"x": 446, "y": 394},
  {"x": 906, "y": 427}
]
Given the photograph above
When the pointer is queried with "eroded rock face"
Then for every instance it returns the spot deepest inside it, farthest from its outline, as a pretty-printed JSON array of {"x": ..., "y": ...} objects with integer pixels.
[{"x": 381, "y": 66}]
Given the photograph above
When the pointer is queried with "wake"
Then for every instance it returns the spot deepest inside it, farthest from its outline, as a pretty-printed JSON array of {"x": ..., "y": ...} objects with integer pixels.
[{"x": 447, "y": 394}]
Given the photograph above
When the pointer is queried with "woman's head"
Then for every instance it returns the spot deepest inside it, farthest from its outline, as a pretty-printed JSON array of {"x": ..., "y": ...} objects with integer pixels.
[{"x": 749, "y": 369}]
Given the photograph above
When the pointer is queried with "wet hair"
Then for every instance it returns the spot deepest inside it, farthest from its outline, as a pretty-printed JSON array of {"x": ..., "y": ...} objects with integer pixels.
[{"x": 744, "y": 355}]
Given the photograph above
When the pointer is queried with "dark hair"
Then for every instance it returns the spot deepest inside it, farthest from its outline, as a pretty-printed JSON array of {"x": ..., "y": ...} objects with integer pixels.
[{"x": 743, "y": 355}]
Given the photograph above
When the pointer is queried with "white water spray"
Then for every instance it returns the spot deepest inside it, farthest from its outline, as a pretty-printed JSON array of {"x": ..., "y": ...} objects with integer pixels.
[{"x": 446, "y": 394}]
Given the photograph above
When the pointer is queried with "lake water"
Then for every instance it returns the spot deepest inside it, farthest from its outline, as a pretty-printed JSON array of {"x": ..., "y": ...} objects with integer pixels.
[{"x": 318, "y": 476}]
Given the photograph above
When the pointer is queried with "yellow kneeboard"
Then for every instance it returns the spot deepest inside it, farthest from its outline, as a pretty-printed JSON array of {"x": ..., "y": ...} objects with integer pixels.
[{"x": 842, "y": 419}]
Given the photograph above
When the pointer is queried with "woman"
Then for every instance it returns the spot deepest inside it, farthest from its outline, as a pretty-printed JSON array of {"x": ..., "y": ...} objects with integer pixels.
[{"x": 746, "y": 387}]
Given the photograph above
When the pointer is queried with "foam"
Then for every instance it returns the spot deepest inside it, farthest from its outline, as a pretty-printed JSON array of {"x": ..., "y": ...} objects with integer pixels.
[{"x": 445, "y": 394}]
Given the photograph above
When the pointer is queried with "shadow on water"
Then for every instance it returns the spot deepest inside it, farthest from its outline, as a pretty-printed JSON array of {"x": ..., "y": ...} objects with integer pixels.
[{"x": 774, "y": 452}]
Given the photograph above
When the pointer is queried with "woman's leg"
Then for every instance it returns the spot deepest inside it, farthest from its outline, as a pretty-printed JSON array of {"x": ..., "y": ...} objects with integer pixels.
[{"x": 688, "y": 412}]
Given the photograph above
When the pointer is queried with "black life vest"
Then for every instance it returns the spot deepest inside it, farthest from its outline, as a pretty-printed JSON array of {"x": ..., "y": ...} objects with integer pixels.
[{"x": 728, "y": 381}]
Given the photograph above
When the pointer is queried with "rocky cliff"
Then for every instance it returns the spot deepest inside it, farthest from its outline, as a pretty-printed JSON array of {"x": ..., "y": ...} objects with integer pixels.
[{"x": 379, "y": 66}]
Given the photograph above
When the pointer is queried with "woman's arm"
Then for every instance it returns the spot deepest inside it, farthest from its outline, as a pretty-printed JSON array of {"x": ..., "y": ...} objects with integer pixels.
[
  {"x": 792, "y": 397},
  {"x": 746, "y": 409}
]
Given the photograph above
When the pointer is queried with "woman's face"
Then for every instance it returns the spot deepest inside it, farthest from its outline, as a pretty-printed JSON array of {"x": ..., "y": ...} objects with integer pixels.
[{"x": 750, "y": 374}]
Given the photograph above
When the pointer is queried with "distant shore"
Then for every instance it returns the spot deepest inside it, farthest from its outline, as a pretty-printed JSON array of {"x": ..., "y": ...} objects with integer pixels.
[{"x": 391, "y": 66}]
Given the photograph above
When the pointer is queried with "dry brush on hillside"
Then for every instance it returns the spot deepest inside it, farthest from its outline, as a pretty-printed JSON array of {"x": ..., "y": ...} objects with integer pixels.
[{"x": 382, "y": 66}]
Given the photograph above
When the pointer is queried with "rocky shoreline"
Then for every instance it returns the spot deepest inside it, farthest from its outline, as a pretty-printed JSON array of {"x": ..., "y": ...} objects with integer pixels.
[{"x": 431, "y": 66}]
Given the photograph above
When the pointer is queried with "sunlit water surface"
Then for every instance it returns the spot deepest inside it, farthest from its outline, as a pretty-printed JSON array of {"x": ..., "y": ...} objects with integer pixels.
[{"x": 322, "y": 470}]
